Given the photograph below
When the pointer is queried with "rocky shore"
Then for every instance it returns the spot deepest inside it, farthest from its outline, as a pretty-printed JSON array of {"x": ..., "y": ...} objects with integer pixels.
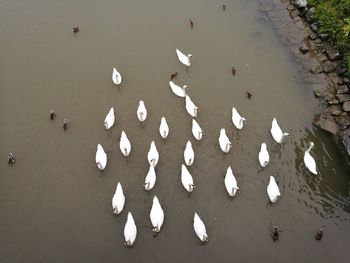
[{"x": 321, "y": 58}]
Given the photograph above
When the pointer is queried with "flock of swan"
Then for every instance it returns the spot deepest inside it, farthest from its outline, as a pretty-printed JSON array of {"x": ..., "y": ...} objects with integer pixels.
[{"x": 157, "y": 213}]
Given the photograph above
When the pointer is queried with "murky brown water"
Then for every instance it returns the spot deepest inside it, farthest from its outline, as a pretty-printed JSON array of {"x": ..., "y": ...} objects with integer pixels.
[{"x": 56, "y": 206}]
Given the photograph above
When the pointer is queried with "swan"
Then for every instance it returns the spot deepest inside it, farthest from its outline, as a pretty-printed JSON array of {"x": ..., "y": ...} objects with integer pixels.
[
  {"x": 163, "y": 128},
  {"x": 156, "y": 215},
  {"x": 186, "y": 60},
  {"x": 153, "y": 155},
  {"x": 191, "y": 108},
  {"x": 130, "y": 231},
  {"x": 199, "y": 228},
  {"x": 186, "y": 179},
  {"x": 264, "y": 156},
  {"x": 231, "y": 182},
  {"x": 141, "y": 111},
  {"x": 277, "y": 133},
  {"x": 272, "y": 190},
  {"x": 237, "y": 119},
  {"x": 309, "y": 160},
  {"x": 151, "y": 178},
  {"x": 124, "y": 144},
  {"x": 118, "y": 200},
  {"x": 196, "y": 130},
  {"x": 110, "y": 118},
  {"x": 224, "y": 142},
  {"x": 189, "y": 154},
  {"x": 177, "y": 90},
  {"x": 101, "y": 157},
  {"x": 116, "y": 77}
]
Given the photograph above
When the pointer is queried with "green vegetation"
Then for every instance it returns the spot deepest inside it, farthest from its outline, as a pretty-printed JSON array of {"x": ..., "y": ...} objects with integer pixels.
[{"x": 334, "y": 19}]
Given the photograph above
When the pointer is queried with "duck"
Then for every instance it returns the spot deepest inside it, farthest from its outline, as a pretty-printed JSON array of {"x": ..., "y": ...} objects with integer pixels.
[
  {"x": 272, "y": 190},
  {"x": 130, "y": 231},
  {"x": 233, "y": 70},
  {"x": 174, "y": 75},
  {"x": 124, "y": 144},
  {"x": 277, "y": 133},
  {"x": 163, "y": 128},
  {"x": 189, "y": 154},
  {"x": 264, "y": 156},
  {"x": 199, "y": 228},
  {"x": 141, "y": 112},
  {"x": 237, "y": 119},
  {"x": 151, "y": 178},
  {"x": 309, "y": 160},
  {"x": 65, "y": 124},
  {"x": 52, "y": 115},
  {"x": 186, "y": 179},
  {"x": 153, "y": 155},
  {"x": 11, "y": 159},
  {"x": 101, "y": 157},
  {"x": 109, "y": 120},
  {"x": 177, "y": 90},
  {"x": 231, "y": 183},
  {"x": 248, "y": 94},
  {"x": 224, "y": 142},
  {"x": 196, "y": 130},
  {"x": 319, "y": 234},
  {"x": 156, "y": 215},
  {"x": 186, "y": 60},
  {"x": 118, "y": 200},
  {"x": 275, "y": 233},
  {"x": 75, "y": 29},
  {"x": 190, "y": 107},
  {"x": 223, "y": 7},
  {"x": 191, "y": 23},
  {"x": 116, "y": 77}
]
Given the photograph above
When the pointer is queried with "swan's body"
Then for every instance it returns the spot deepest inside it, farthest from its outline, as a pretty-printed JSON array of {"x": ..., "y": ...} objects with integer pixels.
[
  {"x": 177, "y": 90},
  {"x": 196, "y": 130},
  {"x": 151, "y": 178},
  {"x": 191, "y": 108},
  {"x": 224, "y": 141},
  {"x": 118, "y": 200},
  {"x": 110, "y": 118},
  {"x": 231, "y": 182},
  {"x": 264, "y": 156},
  {"x": 186, "y": 60},
  {"x": 101, "y": 158},
  {"x": 273, "y": 190},
  {"x": 153, "y": 155},
  {"x": 199, "y": 228},
  {"x": 163, "y": 128},
  {"x": 124, "y": 144},
  {"x": 141, "y": 111},
  {"x": 277, "y": 133},
  {"x": 189, "y": 154},
  {"x": 156, "y": 215},
  {"x": 116, "y": 77},
  {"x": 237, "y": 119},
  {"x": 186, "y": 179},
  {"x": 130, "y": 231},
  {"x": 309, "y": 160}
]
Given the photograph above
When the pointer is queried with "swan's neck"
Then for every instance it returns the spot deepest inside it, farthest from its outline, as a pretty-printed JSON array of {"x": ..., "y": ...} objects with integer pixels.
[{"x": 309, "y": 149}]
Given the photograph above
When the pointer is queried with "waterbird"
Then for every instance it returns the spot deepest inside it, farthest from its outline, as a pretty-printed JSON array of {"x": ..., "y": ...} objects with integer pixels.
[
  {"x": 196, "y": 130},
  {"x": 151, "y": 178},
  {"x": 116, "y": 77},
  {"x": 153, "y": 155},
  {"x": 110, "y": 119},
  {"x": 237, "y": 120},
  {"x": 233, "y": 70},
  {"x": 177, "y": 90},
  {"x": 277, "y": 133},
  {"x": 184, "y": 59},
  {"x": 264, "y": 156},
  {"x": 223, "y": 7},
  {"x": 130, "y": 231},
  {"x": 273, "y": 190},
  {"x": 163, "y": 128},
  {"x": 52, "y": 115},
  {"x": 231, "y": 183},
  {"x": 186, "y": 179},
  {"x": 199, "y": 228},
  {"x": 248, "y": 94},
  {"x": 189, "y": 154},
  {"x": 124, "y": 144},
  {"x": 118, "y": 200},
  {"x": 191, "y": 108},
  {"x": 309, "y": 160},
  {"x": 191, "y": 23},
  {"x": 76, "y": 29},
  {"x": 275, "y": 233},
  {"x": 11, "y": 159},
  {"x": 156, "y": 215},
  {"x": 141, "y": 112},
  {"x": 101, "y": 157},
  {"x": 65, "y": 124},
  {"x": 319, "y": 234},
  {"x": 174, "y": 75},
  {"x": 224, "y": 142}
]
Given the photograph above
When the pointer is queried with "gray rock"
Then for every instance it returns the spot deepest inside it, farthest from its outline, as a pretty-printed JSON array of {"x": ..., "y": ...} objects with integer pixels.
[
  {"x": 313, "y": 36},
  {"x": 318, "y": 93},
  {"x": 342, "y": 89},
  {"x": 290, "y": 8},
  {"x": 346, "y": 106},
  {"x": 319, "y": 47},
  {"x": 346, "y": 80},
  {"x": 318, "y": 41},
  {"x": 303, "y": 49},
  {"x": 343, "y": 97},
  {"x": 329, "y": 67},
  {"x": 333, "y": 102},
  {"x": 316, "y": 70},
  {"x": 314, "y": 27},
  {"x": 299, "y": 3},
  {"x": 342, "y": 122},
  {"x": 332, "y": 54},
  {"x": 326, "y": 123},
  {"x": 309, "y": 13},
  {"x": 323, "y": 36},
  {"x": 294, "y": 13},
  {"x": 336, "y": 113}
]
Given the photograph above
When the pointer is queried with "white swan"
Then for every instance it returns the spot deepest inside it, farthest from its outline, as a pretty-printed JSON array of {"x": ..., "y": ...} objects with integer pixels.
[
  {"x": 141, "y": 111},
  {"x": 224, "y": 141},
  {"x": 309, "y": 160},
  {"x": 237, "y": 119},
  {"x": 153, "y": 155},
  {"x": 156, "y": 215},
  {"x": 124, "y": 144},
  {"x": 191, "y": 108},
  {"x": 101, "y": 158},
  {"x": 264, "y": 156},
  {"x": 199, "y": 228},
  {"x": 177, "y": 90},
  {"x": 189, "y": 154},
  {"x": 196, "y": 130},
  {"x": 110, "y": 118},
  {"x": 276, "y": 132},
  {"x": 186, "y": 60},
  {"x": 163, "y": 128},
  {"x": 273, "y": 190},
  {"x": 116, "y": 77},
  {"x": 130, "y": 231},
  {"x": 118, "y": 200},
  {"x": 231, "y": 182},
  {"x": 186, "y": 179},
  {"x": 151, "y": 178}
]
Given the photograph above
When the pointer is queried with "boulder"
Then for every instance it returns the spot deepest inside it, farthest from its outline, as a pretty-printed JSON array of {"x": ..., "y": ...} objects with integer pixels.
[
  {"x": 329, "y": 67},
  {"x": 318, "y": 93},
  {"x": 346, "y": 106},
  {"x": 323, "y": 36},
  {"x": 332, "y": 54},
  {"x": 303, "y": 49},
  {"x": 314, "y": 27},
  {"x": 299, "y": 3},
  {"x": 343, "y": 97},
  {"x": 313, "y": 36},
  {"x": 294, "y": 13},
  {"x": 342, "y": 122},
  {"x": 309, "y": 13},
  {"x": 342, "y": 89},
  {"x": 326, "y": 123},
  {"x": 316, "y": 70},
  {"x": 336, "y": 113}
]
